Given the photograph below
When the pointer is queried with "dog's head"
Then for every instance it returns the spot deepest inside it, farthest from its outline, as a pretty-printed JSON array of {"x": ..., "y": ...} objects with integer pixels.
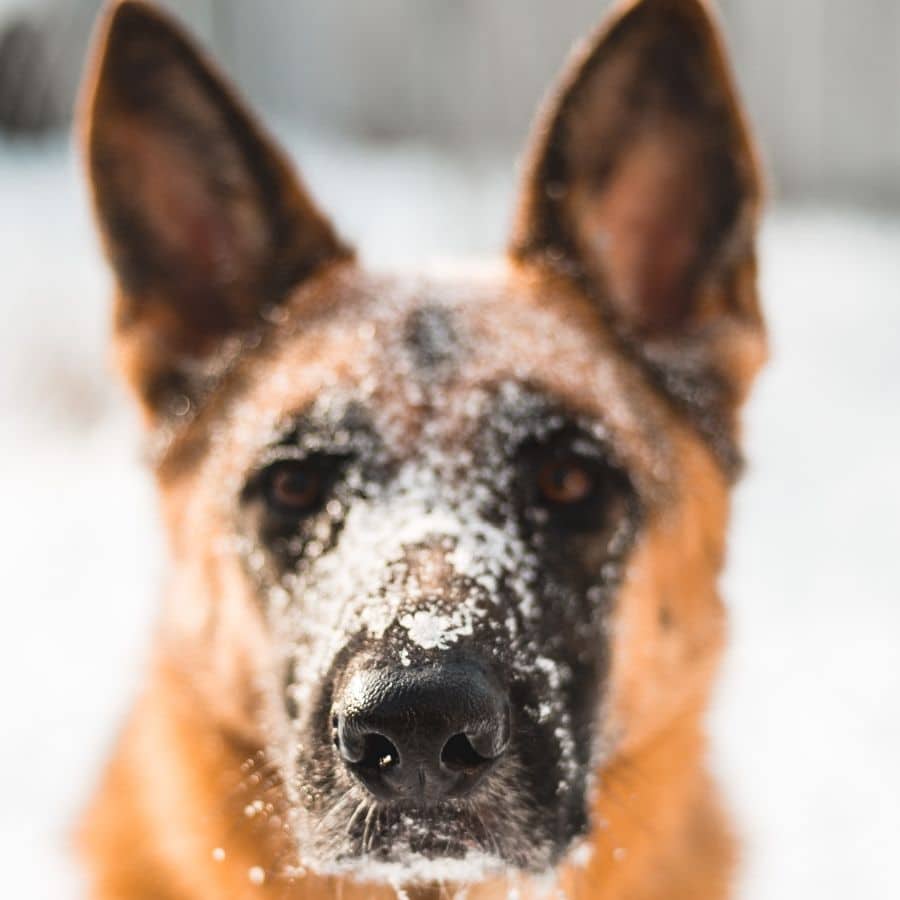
[{"x": 442, "y": 545}]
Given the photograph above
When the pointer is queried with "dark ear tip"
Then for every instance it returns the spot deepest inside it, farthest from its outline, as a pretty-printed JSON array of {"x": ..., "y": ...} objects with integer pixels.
[
  {"x": 114, "y": 30},
  {"x": 129, "y": 21},
  {"x": 123, "y": 15},
  {"x": 131, "y": 35},
  {"x": 700, "y": 13},
  {"x": 680, "y": 5}
]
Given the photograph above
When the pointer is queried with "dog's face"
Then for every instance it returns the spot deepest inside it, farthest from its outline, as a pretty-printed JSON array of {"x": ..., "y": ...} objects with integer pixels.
[{"x": 442, "y": 544}]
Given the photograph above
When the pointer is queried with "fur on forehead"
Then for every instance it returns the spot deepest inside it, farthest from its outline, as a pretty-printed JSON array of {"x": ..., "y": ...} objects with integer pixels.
[{"x": 348, "y": 334}]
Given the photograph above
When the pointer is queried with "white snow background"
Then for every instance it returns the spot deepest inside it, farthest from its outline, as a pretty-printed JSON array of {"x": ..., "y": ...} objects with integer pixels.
[{"x": 806, "y": 726}]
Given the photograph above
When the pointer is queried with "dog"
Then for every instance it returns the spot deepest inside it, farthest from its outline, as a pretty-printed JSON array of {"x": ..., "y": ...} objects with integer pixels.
[{"x": 443, "y": 610}]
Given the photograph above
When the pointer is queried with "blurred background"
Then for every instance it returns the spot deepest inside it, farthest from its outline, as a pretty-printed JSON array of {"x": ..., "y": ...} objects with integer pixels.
[{"x": 407, "y": 118}]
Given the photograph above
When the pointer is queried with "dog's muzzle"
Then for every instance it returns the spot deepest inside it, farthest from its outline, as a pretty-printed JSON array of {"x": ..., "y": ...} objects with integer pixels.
[{"x": 421, "y": 733}]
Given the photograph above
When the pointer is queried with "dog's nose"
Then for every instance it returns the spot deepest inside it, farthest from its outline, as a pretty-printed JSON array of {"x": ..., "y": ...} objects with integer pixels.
[{"x": 421, "y": 733}]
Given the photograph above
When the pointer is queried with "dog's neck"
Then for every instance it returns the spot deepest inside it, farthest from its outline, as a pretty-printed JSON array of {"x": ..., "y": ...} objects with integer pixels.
[{"x": 658, "y": 833}]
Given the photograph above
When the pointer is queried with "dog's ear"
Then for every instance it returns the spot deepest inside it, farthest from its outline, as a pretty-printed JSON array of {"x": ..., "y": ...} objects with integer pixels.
[
  {"x": 643, "y": 185},
  {"x": 203, "y": 219}
]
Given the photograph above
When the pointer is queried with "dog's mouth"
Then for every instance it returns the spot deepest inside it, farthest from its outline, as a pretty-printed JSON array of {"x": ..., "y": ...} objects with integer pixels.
[
  {"x": 422, "y": 850},
  {"x": 394, "y": 834},
  {"x": 455, "y": 841},
  {"x": 441, "y": 771},
  {"x": 499, "y": 831}
]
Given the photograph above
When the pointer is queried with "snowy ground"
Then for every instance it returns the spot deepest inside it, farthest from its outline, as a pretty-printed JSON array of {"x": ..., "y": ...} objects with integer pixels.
[{"x": 807, "y": 726}]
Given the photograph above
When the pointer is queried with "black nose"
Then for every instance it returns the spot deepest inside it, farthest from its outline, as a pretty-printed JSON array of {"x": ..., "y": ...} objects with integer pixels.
[{"x": 421, "y": 733}]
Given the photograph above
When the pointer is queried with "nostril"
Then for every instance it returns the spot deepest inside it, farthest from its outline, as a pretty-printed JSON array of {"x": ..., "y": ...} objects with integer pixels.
[
  {"x": 379, "y": 754},
  {"x": 423, "y": 733},
  {"x": 459, "y": 755}
]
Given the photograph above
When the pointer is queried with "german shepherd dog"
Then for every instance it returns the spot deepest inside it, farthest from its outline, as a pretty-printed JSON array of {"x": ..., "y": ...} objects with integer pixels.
[{"x": 443, "y": 611}]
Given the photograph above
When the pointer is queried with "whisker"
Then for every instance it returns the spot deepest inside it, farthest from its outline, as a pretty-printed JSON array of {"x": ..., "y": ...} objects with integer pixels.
[
  {"x": 338, "y": 808},
  {"x": 360, "y": 807},
  {"x": 367, "y": 829}
]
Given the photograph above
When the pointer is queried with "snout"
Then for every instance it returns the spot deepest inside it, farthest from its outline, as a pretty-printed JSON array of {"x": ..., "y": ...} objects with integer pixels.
[{"x": 421, "y": 733}]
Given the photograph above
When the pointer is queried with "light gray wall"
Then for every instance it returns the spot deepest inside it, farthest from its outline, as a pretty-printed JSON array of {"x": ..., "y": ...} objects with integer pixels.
[
  {"x": 466, "y": 71},
  {"x": 822, "y": 80},
  {"x": 822, "y": 77}
]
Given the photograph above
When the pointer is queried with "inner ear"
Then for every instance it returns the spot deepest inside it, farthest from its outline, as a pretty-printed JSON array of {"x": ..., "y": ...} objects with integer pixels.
[
  {"x": 647, "y": 230},
  {"x": 644, "y": 180},
  {"x": 190, "y": 237}
]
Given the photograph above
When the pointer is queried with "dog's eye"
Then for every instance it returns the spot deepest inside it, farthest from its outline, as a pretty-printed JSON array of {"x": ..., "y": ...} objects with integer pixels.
[
  {"x": 566, "y": 481},
  {"x": 582, "y": 490},
  {"x": 295, "y": 486}
]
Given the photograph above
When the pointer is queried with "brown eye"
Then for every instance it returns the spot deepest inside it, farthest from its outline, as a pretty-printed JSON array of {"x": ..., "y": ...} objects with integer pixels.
[
  {"x": 295, "y": 487},
  {"x": 566, "y": 481}
]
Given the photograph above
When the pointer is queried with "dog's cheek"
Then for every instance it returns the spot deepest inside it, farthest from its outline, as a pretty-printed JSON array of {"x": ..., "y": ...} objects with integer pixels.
[
  {"x": 668, "y": 622},
  {"x": 213, "y": 623}
]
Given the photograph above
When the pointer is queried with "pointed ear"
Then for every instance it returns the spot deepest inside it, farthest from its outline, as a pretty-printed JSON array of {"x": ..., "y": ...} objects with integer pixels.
[
  {"x": 203, "y": 220},
  {"x": 643, "y": 185}
]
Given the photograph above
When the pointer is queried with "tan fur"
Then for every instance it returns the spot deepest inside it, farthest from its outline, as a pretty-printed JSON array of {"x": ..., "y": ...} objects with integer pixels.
[
  {"x": 190, "y": 759},
  {"x": 663, "y": 826}
]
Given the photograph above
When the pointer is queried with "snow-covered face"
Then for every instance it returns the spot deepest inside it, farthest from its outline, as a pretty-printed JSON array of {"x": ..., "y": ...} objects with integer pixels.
[
  {"x": 441, "y": 544},
  {"x": 439, "y": 508}
]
